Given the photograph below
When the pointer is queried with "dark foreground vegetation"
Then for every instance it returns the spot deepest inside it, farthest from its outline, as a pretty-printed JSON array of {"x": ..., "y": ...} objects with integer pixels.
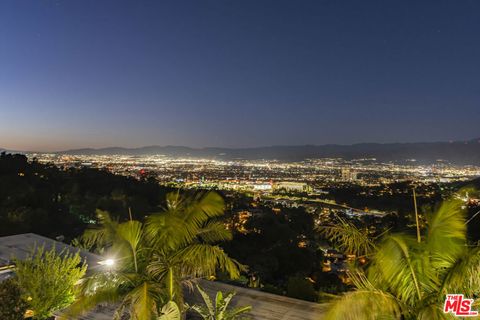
[{"x": 51, "y": 201}]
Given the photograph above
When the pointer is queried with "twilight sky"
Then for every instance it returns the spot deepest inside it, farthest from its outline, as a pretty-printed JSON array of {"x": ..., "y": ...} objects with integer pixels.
[{"x": 93, "y": 73}]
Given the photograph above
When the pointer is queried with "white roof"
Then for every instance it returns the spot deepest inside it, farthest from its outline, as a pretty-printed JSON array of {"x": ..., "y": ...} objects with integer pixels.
[{"x": 21, "y": 245}]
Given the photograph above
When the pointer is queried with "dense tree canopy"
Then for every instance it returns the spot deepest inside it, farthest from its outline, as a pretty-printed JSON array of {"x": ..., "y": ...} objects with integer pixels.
[
  {"x": 51, "y": 201},
  {"x": 277, "y": 245}
]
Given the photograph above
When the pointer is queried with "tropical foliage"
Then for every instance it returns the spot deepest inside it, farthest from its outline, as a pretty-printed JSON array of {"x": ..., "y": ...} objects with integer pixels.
[
  {"x": 170, "y": 311},
  {"x": 184, "y": 238},
  {"x": 48, "y": 279},
  {"x": 349, "y": 238},
  {"x": 219, "y": 309},
  {"x": 154, "y": 259},
  {"x": 408, "y": 279},
  {"x": 12, "y": 304},
  {"x": 126, "y": 282}
]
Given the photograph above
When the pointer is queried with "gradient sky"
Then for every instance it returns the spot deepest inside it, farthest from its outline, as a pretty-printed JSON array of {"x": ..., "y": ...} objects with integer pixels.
[{"x": 93, "y": 73}]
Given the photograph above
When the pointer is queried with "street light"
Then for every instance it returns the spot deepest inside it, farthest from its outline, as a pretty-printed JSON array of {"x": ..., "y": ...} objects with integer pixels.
[{"x": 107, "y": 262}]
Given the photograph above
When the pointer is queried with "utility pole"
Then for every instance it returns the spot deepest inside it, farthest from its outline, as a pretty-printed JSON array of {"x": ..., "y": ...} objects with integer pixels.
[{"x": 416, "y": 214}]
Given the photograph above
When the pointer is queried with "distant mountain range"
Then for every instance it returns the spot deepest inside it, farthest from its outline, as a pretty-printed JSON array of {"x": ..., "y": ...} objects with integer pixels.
[{"x": 458, "y": 152}]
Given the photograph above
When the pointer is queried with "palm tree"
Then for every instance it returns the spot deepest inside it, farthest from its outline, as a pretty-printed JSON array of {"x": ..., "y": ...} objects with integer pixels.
[
  {"x": 184, "y": 238},
  {"x": 127, "y": 283},
  {"x": 220, "y": 309},
  {"x": 408, "y": 278},
  {"x": 152, "y": 261}
]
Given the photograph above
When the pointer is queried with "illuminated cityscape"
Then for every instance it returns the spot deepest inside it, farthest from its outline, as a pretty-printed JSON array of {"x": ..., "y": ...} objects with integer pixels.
[
  {"x": 314, "y": 184},
  {"x": 265, "y": 175}
]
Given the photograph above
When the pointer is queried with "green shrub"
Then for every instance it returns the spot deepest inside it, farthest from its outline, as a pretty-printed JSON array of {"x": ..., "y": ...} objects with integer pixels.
[
  {"x": 301, "y": 288},
  {"x": 48, "y": 280}
]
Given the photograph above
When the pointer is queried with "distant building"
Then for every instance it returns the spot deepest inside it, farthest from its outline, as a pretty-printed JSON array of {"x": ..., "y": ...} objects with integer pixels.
[
  {"x": 349, "y": 175},
  {"x": 291, "y": 186},
  {"x": 262, "y": 186}
]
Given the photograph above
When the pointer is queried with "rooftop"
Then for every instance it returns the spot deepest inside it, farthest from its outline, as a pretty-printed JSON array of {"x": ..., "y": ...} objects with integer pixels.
[
  {"x": 21, "y": 245},
  {"x": 265, "y": 306}
]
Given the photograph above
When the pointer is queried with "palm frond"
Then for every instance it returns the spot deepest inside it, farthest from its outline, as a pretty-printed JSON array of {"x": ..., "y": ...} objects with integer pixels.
[
  {"x": 206, "y": 300},
  {"x": 349, "y": 238},
  {"x": 201, "y": 260},
  {"x": 88, "y": 302},
  {"x": 159, "y": 225},
  {"x": 446, "y": 235},
  {"x": 186, "y": 220},
  {"x": 223, "y": 304},
  {"x": 220, "y": 310},
  {"x": 158, "y": 267},
  {"x": 129, "y": 235},
  {"x": 433, "y": 311},
  {"x": 174, "y": 200},
  {"x": 365, "y": 304},
  {"x": 237, "y": 313},
  {"x": 204, "y": 207},
  {"x": 143, "y": 300},
  {"x": 464, "y": 275},
  {"x": 170, "y": 311},
  {"x": 169, "y": 231},
  {"x": 201, "y": 310},
  {"x": 102, "y": 235},
  {"x": 214, "y": 231},
  {"x": 399, "y": 268}
]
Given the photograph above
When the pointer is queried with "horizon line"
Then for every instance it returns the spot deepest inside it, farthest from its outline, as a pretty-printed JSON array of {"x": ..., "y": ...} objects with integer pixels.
[{"x": 232, "y": 148}]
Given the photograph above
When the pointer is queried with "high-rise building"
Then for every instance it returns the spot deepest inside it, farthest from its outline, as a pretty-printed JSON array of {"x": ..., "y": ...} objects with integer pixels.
[{"x": 349, "y": 175}]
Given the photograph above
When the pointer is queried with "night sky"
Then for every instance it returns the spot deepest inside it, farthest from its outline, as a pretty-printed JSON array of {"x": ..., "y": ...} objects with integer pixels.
[{"x": 94, "y": 73}]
